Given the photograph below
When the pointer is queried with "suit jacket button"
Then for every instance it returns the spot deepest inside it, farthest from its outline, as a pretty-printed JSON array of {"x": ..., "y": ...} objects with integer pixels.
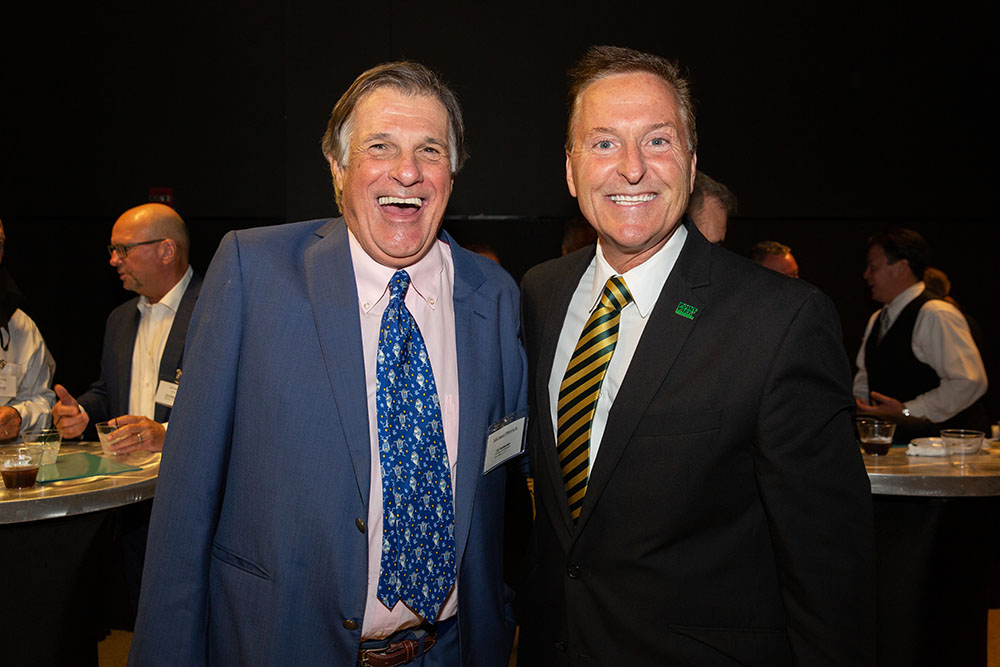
[
  {"x": 573, "y": 571},
  {"x": 561, "y": 647},
  {"x": 350, "y": 625},
  {"x": 360, "y": 524}
]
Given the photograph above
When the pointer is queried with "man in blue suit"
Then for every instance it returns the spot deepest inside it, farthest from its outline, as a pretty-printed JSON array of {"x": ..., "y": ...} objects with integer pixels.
[{"x": 283, "y": 530}]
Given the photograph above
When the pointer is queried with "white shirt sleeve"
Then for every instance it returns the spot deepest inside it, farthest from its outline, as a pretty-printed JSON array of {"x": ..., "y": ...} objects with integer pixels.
[
  {"x": 34, "y": 398},
  {"x": 942, "y": 340}
]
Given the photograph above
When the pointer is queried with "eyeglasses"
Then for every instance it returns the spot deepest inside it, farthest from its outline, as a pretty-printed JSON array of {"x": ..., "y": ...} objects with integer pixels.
[{"x": 123, "y": 248}]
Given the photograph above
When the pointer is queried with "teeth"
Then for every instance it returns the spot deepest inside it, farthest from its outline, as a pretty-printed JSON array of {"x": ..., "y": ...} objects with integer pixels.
[
  {"x": 415, "y": 201},
  {"x": 632, "y": 199}
]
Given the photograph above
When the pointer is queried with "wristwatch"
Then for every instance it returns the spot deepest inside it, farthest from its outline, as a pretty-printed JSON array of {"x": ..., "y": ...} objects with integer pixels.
[{"x": 906, "y": 411}]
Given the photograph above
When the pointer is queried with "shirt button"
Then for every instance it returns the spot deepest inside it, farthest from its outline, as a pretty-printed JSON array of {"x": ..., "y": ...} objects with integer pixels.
[
  {"x": 573, "y": 571},
  {"x": 350, "y": 624},
  {"x": 360, "y": 524},
  {"x": 561, "y": 647}
]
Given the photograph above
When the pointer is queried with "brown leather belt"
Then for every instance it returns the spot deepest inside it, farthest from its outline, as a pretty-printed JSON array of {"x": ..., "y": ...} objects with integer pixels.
[{"x": 398, "y": 653}]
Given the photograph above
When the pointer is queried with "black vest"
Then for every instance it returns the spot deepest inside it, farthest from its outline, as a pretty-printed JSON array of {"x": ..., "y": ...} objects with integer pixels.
[{"x": 895, "y": 371}]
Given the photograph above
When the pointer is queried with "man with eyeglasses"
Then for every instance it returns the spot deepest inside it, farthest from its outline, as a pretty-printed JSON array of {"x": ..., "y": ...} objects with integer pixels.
[
  {"x": 144, "y": 338},
  {"x": 143, "y": 349}
]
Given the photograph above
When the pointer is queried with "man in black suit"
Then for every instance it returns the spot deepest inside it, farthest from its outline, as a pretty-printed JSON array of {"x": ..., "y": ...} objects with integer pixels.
[
  {"x": 700, "y": 497},
  {"x": 144, "y": 337},
  {"x": 142, "y": 356}
]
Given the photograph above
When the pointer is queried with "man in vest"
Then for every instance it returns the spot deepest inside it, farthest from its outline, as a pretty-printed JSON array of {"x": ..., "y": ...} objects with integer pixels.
[{"x": 918, "y": 364}]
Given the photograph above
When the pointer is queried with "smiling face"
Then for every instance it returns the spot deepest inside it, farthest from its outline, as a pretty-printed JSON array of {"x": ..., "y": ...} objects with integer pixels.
[
  {"x": 629, "y": 166},
  {"x": 397, "y": 179}
]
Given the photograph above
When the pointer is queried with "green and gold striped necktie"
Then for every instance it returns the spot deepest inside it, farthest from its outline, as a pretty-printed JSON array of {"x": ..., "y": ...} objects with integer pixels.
[{"x": 581, "y": 386}]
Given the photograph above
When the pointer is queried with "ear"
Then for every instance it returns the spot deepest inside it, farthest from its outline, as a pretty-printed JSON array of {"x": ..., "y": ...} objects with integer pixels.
[
  {"x": 168, "y": 251},
  {"x": 338, "y": 175},
  {"x": 569, "y": 175},
  {"x": 694, "y": 170}
]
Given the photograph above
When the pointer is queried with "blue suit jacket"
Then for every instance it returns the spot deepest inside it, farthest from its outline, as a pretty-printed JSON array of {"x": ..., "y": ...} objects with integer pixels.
[
  {"x": 257, "y": 548},
  {"x": 109, "y": 396}
]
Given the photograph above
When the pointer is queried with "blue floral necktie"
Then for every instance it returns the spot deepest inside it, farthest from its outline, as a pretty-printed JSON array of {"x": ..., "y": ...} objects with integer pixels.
[{"x": 418, "y": 538}]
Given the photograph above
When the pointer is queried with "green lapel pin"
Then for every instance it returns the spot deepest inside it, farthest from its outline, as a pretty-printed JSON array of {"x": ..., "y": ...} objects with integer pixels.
[{"x": 685, "y": 310}]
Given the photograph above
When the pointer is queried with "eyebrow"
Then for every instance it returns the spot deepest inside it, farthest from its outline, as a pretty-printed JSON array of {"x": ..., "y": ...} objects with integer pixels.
[
  {"x": 651, "y": 128},
  {"x": 382, "y": 136}
]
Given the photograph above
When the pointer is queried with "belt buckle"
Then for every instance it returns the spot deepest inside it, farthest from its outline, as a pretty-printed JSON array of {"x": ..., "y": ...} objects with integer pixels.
[{"x": 365, "y": 652}]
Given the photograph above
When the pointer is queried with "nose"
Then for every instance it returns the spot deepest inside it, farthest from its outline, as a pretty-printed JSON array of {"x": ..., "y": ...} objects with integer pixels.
[
  {"x": 632, "y": 166},
  {"x": 116, "y": 259},
  {"x": 406, "y": 170}
]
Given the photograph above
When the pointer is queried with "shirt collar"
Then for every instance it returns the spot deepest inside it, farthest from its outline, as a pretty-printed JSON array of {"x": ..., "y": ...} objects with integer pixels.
[
  {"x": 373, "y": 278},
  {"x": 644, "y": 282},
  {"x": 172, "y": 299},
  {"x": 903, "y": 299}
]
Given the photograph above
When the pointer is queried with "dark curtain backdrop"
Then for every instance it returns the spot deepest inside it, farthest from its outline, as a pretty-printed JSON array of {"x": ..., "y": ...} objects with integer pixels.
[{"x": 827, "y": 122}]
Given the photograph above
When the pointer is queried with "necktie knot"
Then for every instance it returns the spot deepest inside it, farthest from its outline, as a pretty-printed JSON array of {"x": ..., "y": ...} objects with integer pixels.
[
  {"x": 616, "y": 295},
  {"x": 398, "y": 284}
]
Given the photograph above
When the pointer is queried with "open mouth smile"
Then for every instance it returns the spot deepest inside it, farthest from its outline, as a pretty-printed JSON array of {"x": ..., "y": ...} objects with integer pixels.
[{"x": 631, "y": 200}]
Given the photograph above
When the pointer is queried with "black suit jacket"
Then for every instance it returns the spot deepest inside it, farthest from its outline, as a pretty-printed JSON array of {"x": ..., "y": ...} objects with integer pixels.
[
  {"x": 108, "y": 397},
  {"x": 728, "y": 515}
]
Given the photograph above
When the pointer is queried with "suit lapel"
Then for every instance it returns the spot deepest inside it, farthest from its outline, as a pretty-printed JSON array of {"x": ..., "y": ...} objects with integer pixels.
[
  {"x": 473, "y": 325},
  {"x": 662, "y": 341},
  {"x": 173, "y": 350},
  {"x": 558, "y": 304},
  {"x": 333, "y": 295}
]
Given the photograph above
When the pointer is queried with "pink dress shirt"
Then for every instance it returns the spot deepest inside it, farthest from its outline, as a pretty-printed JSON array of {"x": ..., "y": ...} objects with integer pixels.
[{"x": 429, "y": 300}]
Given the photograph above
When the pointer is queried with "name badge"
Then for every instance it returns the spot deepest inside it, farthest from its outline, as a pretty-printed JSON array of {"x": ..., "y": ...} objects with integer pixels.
[
  {"x": 505, "y": 440},
  {"x": 8, "y": 379},
  {"x": 165, "y": 393}
]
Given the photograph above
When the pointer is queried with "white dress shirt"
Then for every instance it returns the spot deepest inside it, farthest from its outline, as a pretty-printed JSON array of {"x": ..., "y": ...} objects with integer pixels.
[
  {"x": 942, "y": 340},
  {"x": 429, "y": 300},
  {"x": 644, "y": 282},
  {"x": 155, "y": 320},
  {"x": 28, "y": 367}
]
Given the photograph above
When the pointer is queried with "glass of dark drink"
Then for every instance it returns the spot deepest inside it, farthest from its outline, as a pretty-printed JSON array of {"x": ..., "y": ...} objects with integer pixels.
[
  {"x": 875, "y": 435},
  {"x": 19, "y": 465}
]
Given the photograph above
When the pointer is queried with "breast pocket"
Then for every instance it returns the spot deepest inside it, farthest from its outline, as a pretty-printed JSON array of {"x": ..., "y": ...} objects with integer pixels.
[{"x": 678, "y": 423}]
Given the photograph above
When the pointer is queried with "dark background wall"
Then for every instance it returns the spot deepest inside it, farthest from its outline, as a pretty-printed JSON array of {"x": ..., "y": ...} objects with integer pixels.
[{"x": 827, "y": 122}]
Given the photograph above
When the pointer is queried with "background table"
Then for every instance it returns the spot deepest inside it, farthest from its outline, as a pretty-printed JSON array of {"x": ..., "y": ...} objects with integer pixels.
[
  {"x": 937, "y": 546},
  {"x": 62, "y": 579},
  {"x": 80, "y": 496}
]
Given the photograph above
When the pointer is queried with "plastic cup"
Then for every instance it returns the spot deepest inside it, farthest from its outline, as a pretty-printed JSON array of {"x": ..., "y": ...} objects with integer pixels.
[
  {"x": 49, "y": 440},
  {"x": 104, "y": 430},
  {"x": 19, "y": 465},
  {"x": 875, "y": 435},
  {"x": 961, "y": 445}
]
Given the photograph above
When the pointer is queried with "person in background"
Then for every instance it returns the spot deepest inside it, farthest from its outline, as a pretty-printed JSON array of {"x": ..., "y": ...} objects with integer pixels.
[
  {"x": 141, "y": 360},
  {"x": 710, "y": 206},
  {"x": 700, "y": 497},
  {"x": 918, "y": 363},
  {"x": 325, "y": 496},
  {"x": 775, "y": 256},
  {"x": 144, "y": 337},
  {"x": 26, "y": 366}
]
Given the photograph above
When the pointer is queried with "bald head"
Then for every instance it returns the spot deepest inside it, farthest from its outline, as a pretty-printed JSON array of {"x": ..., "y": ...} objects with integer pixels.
[
  {"x": 156, "y": 255},
  {"x": 160, "y": 221}
]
